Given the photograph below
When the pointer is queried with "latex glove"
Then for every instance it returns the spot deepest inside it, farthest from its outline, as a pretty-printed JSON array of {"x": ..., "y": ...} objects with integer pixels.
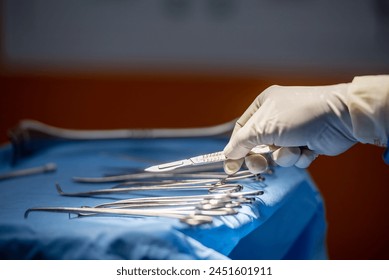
[{"x": 303, "y": 121}]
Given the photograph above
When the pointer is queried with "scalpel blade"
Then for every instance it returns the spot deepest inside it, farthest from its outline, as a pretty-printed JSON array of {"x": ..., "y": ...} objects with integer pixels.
[{"x": 169, "y": 166}]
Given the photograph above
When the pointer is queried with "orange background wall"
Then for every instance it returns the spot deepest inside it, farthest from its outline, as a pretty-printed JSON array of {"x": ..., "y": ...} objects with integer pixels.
[{"x": 354, "y": 184}]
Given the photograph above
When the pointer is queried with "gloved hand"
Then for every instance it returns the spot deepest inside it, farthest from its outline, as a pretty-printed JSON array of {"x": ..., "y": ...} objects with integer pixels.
[{"x": 302, "y": 121}]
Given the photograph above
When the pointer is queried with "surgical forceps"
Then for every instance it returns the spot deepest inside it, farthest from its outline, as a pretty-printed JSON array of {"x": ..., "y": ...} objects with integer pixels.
[
  {"x": 194, "y": 216},
  {"x": 239, "y": 197},
  {"x": 212, "y": 185},
  {"x": 222, "y": 206},
  {"x": 148, "y": 175},
  {"x": 211, "y": 188},
  {"x": 205, "y": 204},
  {"x": 203, "y": 159},
  {"x": 218, "y": 180}
]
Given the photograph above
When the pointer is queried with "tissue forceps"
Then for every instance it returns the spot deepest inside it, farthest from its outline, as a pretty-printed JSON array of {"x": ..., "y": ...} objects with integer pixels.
[
  {"x": 217, "y": 180},
  {"x": 218, "y": 186},
  {"x": 242, "y": 197},
  {"x": 211, "y": 189},
  {"x": 202, "y": 159},
  {"x": 147, "y": 175},
  {"x": 179, "y": 205},
  {"x": 192, "y": 218}
]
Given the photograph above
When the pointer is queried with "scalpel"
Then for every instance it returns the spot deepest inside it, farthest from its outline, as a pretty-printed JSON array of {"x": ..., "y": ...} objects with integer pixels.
[{"x": 203, "y": 159}]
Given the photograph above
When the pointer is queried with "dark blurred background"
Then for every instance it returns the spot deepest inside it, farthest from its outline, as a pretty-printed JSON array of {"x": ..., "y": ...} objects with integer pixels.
[{"x": 98, "y": 64}]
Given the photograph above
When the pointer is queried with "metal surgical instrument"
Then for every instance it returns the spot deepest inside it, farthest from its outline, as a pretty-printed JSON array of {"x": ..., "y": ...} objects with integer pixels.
[
  {"x": 195, "y": 210},
  {"x": 218, "y": 185},
  {"x": 227, "y": 202},
  {"x": 211, "y": 188},
  {"x": 242, "y": 197},
  {"x": 202, "y": 159},
  {"x": 49, "y": 167},
  {"x": 219, "y": 179},
  {"x": 204, "y": 204},
  {"x": 147, "y": 175},
  {"x": 193, "y": 218}
]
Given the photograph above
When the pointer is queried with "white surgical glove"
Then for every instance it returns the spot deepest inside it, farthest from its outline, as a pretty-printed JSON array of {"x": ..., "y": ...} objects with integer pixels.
[{"x": 303, "y": 121}]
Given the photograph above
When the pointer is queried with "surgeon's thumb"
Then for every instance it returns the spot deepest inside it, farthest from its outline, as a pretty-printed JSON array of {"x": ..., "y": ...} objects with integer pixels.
[
  {"x": 236, "y": 148},
  {"x": 235, "y": 154},
  {"x": 231, "y": 166}
]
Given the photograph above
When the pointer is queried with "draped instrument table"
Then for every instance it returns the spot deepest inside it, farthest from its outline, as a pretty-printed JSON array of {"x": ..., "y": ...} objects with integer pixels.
[{"x": 286, "y": 222}]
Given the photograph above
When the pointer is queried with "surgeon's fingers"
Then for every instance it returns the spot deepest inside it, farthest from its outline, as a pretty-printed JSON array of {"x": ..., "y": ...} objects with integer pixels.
[
  {"x": 235, "y": 142},
  {"x": 286, "y": 156},
  {"x": 256, "y": 163},
  {"x": 289, "y": 156},
  {"x": 306, "y": 158},
  {"x": 232, "y": 166},
  {"x": 235, "y": 151},
  {"x": 239, "y": 146}
]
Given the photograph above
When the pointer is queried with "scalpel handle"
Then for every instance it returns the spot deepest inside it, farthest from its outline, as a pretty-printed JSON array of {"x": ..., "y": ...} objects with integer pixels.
[
  {"x": 208, "y": 158},
  {"x": 219, "y": 156}
]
